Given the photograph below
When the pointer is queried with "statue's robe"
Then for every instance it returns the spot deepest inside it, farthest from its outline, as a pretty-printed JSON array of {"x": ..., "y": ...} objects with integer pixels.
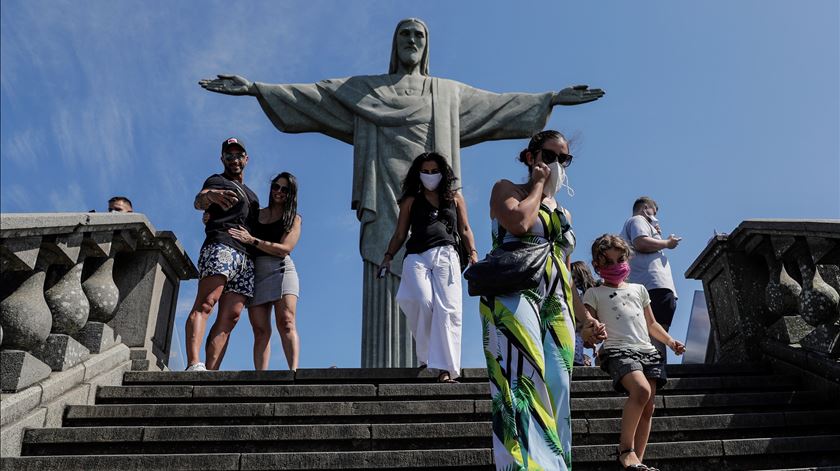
[{"x": 388, "y": 130}]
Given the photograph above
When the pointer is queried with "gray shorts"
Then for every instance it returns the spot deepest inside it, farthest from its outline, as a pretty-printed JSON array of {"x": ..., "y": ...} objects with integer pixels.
[
  {"x": 274, "y": 277},
  {"x": 621, "y": 361}
]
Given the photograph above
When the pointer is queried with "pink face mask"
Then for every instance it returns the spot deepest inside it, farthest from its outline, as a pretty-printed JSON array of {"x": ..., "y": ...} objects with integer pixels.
[{"x": 615, "y": 274}]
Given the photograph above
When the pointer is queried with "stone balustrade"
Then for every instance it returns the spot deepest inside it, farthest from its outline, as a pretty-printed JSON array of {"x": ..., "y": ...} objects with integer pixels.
[
  {"x": 76, "y": 284},
  {"x": 772, "y": 287}
]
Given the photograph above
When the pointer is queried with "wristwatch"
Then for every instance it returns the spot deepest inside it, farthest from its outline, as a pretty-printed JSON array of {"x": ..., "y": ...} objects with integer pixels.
[{"x": 256, "y": 242}]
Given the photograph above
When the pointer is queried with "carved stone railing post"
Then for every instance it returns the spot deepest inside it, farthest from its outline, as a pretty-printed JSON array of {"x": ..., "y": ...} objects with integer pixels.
[
  {"x": 101, "y": 291},
  {"x": 24, "y": 315},
  {"x": 62, "y": 259},
  {"x": 773, "y": 281},
  {"x": 146, "y": 314}
]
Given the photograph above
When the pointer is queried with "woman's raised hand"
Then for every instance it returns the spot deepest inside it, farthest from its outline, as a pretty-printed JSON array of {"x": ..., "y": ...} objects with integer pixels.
[{"x": 540, "y": 172}]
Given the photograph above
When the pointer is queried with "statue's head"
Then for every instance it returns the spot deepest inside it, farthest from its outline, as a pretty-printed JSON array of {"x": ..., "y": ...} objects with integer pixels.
[{"x": 410, "y": 46}]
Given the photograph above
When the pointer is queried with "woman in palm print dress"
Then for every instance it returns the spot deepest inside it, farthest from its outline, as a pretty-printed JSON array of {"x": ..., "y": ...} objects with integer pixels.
[{"x": 529, "y": 337}]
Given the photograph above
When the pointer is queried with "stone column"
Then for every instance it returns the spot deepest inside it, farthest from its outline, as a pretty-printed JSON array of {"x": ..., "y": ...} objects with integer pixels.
[
  {"x": 101, "y": 291},
  {"x": 386, "y": 337},
  {"x": 63, "y": 260},
  {"x": 148, "y": 280},
  {"x": 25, "y": 318}
]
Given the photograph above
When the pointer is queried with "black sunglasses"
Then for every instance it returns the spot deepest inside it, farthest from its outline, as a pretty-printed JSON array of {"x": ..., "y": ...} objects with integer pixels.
[
  {"x": 550, "y": 157},
  {"x": 281, "y": 188},
  {"x": 231, "y": 157}
]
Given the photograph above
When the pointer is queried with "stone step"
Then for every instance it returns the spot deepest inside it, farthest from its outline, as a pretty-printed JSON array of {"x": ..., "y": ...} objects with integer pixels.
[
  {"x": 180, "y": 393},
  {"x": 396, "y": 375},
  {"x": 332, "y": 437},
  {"x": 277, "y": 413},
  {"x": 808, "y": 451},
  {"x": 683, "y": 370},
  {"x": 256, "y": 438},
  {"x": 719, "y": 426},
  {"x": 412, "y": 411},
  {"x": 749, "y": 453},
  {"x": 690, "y": 404},
  {"x": 811, "y": 468},
  {"x": 462, "y": 459}
]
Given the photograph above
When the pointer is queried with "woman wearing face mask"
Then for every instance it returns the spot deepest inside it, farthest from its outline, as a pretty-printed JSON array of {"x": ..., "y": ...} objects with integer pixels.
[
  {"x": 430, "y": 289},
  {"x": 276, "y": 284},
  {"x": 529, "y": 337}
]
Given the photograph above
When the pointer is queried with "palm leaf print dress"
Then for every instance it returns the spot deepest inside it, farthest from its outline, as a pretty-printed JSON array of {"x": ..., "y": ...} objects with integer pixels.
[{"x": 529, "y": 345}]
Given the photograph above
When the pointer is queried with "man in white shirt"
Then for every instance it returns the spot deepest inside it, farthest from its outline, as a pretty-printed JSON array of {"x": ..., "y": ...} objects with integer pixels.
[{"x": 649, "y": 266}]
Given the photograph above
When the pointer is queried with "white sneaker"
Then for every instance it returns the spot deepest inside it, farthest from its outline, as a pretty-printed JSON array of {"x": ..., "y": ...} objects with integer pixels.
[{"x": 197, "y": 367}]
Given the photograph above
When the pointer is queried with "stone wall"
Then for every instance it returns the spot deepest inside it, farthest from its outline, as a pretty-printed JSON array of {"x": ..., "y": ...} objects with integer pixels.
[
  {"x": 773, "y": 291},
  {"x": 81, "y": 296}
]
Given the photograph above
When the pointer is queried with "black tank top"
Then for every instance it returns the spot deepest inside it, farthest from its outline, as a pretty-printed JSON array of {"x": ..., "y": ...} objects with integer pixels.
[
  {"x": 430, "y": 226},
  {"x": 271, "y": 232}
]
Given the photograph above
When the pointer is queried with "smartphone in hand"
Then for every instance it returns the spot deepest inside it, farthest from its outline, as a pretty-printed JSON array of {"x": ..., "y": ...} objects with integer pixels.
[{"x": 382, "y": 272}]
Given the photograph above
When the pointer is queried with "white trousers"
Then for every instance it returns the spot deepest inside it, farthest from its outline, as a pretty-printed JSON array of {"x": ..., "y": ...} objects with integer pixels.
[{"x": 430, "y": 298}]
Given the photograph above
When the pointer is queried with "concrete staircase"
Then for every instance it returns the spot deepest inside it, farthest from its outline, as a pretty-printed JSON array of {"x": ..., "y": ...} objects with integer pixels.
[{"x": 707, "y": 417}]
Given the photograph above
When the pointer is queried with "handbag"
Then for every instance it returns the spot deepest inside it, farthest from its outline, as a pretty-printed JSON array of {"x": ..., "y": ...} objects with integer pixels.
[
  {"x": 463, "y": 253},
  {"x": 509, "y": 268}
]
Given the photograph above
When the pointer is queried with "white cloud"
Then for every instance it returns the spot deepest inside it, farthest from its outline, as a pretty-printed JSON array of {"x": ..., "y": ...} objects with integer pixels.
[
  {"x": 69, "y": 199},
  {"x": 25, "y": 149},
  {"x": 95, "y": 137},
  {"x": 18, "y": 196}
]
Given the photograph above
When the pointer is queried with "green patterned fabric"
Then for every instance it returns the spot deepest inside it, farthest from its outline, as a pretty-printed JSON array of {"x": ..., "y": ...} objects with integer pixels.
[{"x": 529, "y": 345}]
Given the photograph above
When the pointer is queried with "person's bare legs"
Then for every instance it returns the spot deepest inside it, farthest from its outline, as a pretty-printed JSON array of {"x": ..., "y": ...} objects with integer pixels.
[
  {"x": 209, "y": 290},
  {"x": 260, "y": 317},
  {"x": 643, "y": 430},
  {"x": 639, "y": 388},
  {"x": 230, "y": 308},
  {"x": 285, "y": 309}
]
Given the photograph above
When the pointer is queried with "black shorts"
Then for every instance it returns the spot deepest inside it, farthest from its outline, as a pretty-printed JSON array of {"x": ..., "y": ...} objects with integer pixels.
[{"x": 618, "y": 362}]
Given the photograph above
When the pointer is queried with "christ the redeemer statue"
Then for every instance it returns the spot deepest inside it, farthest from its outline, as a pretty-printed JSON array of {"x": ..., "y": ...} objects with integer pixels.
[{"x": 389, "y": 120}]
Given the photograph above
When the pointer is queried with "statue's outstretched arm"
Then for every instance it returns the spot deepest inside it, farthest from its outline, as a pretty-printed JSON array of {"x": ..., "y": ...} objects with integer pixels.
[
  {"x": 229, "y": 85},
  {"x": 575, "y": 95}
]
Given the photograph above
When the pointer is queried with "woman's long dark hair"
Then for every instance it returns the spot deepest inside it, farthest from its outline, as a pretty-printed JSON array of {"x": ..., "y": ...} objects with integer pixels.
[
  {"x": 290, "y": 207},
  {"x": 412, "y": 185}
]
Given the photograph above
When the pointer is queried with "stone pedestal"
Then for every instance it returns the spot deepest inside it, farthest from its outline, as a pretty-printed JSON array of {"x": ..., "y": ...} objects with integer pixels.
[
  {"x": 97, "y": 337},
  {"x": 789, "y": 329},
  {"x": 386, "y": 337},
  {"x": 61, "y": 352},
  {"x": 19, "y": 370},
  {"x": 822, "y": 338}
]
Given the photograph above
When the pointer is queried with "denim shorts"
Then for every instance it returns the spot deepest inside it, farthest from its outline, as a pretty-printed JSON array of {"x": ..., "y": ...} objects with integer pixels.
[
  {"x": 237, "y": 267},
  {"x": 620, "y": 361}
]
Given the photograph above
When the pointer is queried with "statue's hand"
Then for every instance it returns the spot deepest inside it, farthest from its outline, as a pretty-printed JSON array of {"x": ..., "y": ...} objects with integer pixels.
[
  {"x": 576, "y": 95},
  {"x": 228, "y": 84}
]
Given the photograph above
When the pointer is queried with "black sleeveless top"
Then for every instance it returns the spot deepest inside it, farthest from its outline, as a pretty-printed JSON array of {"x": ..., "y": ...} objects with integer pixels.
[
  {"x": 430, "y": 226},
  {"x": 271, "y": 232}
]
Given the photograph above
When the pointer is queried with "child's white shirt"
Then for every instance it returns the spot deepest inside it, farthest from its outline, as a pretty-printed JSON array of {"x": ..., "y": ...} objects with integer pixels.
[{"x": 622, "y": 310}]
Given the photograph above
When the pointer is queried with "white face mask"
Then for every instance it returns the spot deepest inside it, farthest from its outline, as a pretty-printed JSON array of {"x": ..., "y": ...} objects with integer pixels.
[
  {"x": 555, "y": 180},
  {"x": 651, "y": 216},
  {"x": 430, "y": 181}
]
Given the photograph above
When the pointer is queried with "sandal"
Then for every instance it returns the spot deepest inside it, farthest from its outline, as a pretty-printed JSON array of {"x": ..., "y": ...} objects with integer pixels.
[
  {"x": 632, "y": 467},
  {"x": 444, "y": 377}
]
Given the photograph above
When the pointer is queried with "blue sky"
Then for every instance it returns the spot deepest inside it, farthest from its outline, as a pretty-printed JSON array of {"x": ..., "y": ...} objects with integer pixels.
[{"x": 720, "y": 110}]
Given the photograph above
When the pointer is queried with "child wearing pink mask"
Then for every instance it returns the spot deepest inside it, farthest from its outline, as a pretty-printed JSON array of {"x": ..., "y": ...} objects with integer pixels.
[{"x": 628, "y": 355}]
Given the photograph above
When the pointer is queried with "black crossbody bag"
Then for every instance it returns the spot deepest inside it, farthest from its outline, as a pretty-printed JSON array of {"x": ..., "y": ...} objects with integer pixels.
[{"x": 509, "y": 268}]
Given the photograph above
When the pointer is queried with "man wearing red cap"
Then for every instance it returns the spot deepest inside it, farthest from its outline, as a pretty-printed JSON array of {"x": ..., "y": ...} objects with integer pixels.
[{"x": 225, "y": 267}]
